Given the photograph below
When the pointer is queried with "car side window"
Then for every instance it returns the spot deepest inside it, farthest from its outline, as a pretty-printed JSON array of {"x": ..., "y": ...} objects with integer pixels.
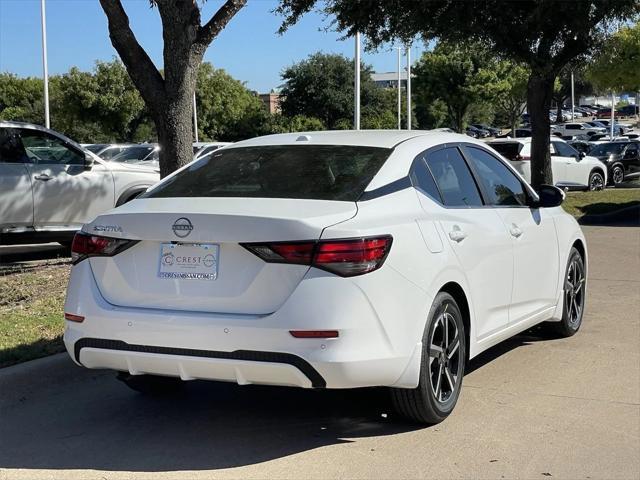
[
  {"x": 453, "y": 178},
  {"x": 11, "y": 148},
  {"x": 501, "y": 185},
  {"x": 564, "y": 150},
  {"x": 422, "y": 179},
  {"x": 46, "y": 149},
  {"x": 632, "y": 151}
]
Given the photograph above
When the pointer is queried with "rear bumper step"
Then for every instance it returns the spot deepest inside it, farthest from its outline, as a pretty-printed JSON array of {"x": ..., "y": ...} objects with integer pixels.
[{"x": 317, "y": 381}]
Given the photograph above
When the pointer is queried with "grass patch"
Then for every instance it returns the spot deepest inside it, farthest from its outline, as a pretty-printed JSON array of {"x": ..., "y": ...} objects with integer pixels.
[
  {"x": 609, "y": 200},
  {"x": 31, "y": 312}
]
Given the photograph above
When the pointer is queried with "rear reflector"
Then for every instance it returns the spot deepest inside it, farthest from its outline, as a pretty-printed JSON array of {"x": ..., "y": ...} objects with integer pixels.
[
  {"x": 85, "y": 245},
  {"x": 73, "y": 318},
  {"x": 345, "y": 257},
  {"x": 314, "y": 333}
]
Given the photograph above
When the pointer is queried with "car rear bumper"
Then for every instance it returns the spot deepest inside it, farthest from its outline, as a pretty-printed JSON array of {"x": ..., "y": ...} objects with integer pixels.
[{"x": 248, "y": 349}]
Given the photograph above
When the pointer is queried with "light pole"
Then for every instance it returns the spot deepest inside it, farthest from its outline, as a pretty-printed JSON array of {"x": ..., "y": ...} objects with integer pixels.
[
  {"x": 573, "y": 99},
  {"x": 195, "y": 117},
  {"x": 613, "y": 109},
  {"x": 356, "y": 113},
  {"x": 399, "y": 85},
  {"x": 409, "y": 87},
  {"x": 45, "y": 68}
]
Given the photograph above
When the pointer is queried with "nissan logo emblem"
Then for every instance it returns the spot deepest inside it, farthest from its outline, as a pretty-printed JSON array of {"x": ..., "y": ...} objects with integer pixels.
[{"x": 182, "y": 227}]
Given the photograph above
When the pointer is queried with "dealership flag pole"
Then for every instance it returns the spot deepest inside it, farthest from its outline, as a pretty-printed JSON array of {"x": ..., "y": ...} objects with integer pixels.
[
  {"x": 409, "y": 87},
  {"x": 399, "y": 89},
  {"x": 356, "y": 113},
  {"x": 195, "y": 117},
  {"x": 573, "y": 100},
  {"x": 45, "y": 67},
  {"x": 613, "y": 109}
]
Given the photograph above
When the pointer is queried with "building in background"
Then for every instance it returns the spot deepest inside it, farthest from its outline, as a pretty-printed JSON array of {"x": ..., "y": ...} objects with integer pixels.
[
  {"x": 271, "y": 101},
  {"x": 390, "y": 79}
]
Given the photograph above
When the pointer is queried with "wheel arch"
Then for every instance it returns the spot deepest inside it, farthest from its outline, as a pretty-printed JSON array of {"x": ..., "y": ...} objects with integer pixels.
[
  {"x": 457, "y": 292},
  {"x": 598, "y": 169}
]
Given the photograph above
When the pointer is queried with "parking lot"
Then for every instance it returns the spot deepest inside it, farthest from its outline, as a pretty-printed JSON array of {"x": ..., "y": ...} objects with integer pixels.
[{"x": 533, "y": 407}]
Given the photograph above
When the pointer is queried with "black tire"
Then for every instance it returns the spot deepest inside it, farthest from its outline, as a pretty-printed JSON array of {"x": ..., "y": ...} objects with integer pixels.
[
  {"x": 429, "y": 403},
  {"x": 151, "y": 384},
  {"x": 574, "y": 297},
  {"x": 596, "y": 181},
  {"x": 617, "y": 175}
]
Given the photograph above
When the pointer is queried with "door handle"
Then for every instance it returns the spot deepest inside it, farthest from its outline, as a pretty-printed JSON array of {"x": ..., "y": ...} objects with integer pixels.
[
  {"x": 515, "y": 230},
  {"x": 457, "y": 235},
  {"x": 43, "y": 176}
]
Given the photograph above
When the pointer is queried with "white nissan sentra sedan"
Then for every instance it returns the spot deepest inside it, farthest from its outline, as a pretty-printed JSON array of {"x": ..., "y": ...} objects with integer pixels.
[{"x": 326, "y": 260}]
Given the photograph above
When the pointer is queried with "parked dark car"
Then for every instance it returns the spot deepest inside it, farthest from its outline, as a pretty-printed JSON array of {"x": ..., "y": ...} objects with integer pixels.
[
  {"x": 622, "y": 159},
  {"x": 477, "y": 132},
  {"x": 493, "y": 131},
  {"x": 629, "y": 110},
  {"x": 520, "y": 132},
  {"x": 606, "y": 113}
]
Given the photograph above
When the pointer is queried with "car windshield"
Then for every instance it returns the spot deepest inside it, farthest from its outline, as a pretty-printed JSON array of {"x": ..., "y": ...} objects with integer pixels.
[
  {"x": 607, "y": 149},
  {"x": 132, "y": 154},
  {"x": 509, "y": 150},
  {"x": 320, "y": 172}
]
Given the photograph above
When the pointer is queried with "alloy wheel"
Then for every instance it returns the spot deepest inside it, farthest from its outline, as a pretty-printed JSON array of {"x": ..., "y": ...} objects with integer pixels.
[
  {"x": 574, "y": 291},
  {"x": 444, "y": 357},
  {"x": 596, "y": 182},
  {"x": 618, "y": 175}
]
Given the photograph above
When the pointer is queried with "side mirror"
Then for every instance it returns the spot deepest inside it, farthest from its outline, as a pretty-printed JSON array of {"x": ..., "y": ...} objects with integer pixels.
[
  {"x": 581, "y": 155},
  {"x": 549, "y": 196},
  {"x": 88, "y": 162}
]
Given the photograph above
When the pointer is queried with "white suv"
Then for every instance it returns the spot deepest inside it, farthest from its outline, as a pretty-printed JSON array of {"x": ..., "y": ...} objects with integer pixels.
[
  {"x": 570, "y": 168},
  {"x": 578, "y": 129},
  {"x": 50, "y": 186}
]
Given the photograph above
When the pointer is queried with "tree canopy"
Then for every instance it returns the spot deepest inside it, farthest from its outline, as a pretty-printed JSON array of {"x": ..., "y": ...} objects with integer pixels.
[
  {"x": 617, "y": 65},
  {"x": 545, "y": 35},
  {"x": 322, "y": 87}
]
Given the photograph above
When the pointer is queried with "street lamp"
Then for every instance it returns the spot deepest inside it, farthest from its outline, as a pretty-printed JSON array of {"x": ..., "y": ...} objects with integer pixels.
[
  {"x": 356, "y": 113},
  {"x": 45, "y": 68}
]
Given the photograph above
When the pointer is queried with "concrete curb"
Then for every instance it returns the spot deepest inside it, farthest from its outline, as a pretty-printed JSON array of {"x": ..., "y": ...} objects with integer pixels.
[{"x": 625, "y": 216}]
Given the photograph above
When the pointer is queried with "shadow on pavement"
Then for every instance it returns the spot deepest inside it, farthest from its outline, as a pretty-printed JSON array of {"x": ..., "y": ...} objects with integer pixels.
[
  {"x": 81, "y": 419},
  {"x": 100, "y": 424}
]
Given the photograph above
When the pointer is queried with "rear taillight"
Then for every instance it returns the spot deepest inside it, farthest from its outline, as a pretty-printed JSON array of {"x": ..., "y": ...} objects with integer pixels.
[
  {"x": 85, "y": 245},
  {"x": 344, "y": 257}
]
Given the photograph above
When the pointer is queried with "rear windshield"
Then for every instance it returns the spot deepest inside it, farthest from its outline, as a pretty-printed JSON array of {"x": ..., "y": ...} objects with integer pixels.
[
  {"x": 320, "y": 172},
  {"x": 507, "y": 150}
]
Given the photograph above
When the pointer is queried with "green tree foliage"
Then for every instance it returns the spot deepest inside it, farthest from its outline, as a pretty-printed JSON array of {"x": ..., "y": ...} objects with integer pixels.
[
  {"x": 227, "y": 110},
  {"x": 510, "y": 92},
  {"x": 21, "y": 98},
  {"x": 617, "y": 66},
  {"x": 545, "y": 35},
  {"x": 562, "y": 87},
  {"x": 322, "y": 87},
  {"x": 459, "y": 75}
]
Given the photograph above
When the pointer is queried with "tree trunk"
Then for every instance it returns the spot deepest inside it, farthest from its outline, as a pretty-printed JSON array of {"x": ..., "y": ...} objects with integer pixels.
[
  {"x": 539, "y": 93},
  {"x": 175, "y": 135},
  {"x": 559, "y": 113}
]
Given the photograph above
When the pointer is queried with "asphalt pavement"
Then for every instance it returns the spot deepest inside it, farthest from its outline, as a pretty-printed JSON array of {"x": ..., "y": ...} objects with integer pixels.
[{"x": 532, "y": 407}]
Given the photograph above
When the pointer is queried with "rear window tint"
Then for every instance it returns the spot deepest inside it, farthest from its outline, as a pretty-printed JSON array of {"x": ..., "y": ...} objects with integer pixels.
[
  {"x": 320, "y": 172},
  {"x": 509, "y": 150}
]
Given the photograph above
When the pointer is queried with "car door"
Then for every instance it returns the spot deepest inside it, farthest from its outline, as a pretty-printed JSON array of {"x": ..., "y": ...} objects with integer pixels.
[
  {"x": 573, "y": 172},
  {"x": 16, "y": 197},
  {"x": 532, "y": 232},
  {"x": 66, "y": 192},
  {"x": 475, "y": 234}
]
